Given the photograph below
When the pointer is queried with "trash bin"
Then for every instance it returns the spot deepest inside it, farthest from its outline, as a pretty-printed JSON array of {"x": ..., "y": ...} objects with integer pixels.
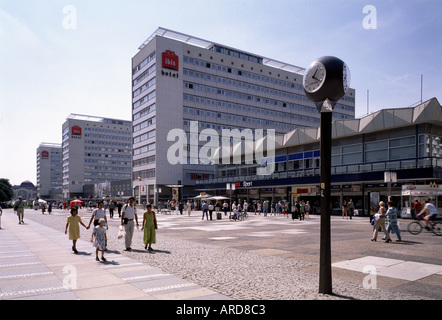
[{"x": 218, "y": 216}]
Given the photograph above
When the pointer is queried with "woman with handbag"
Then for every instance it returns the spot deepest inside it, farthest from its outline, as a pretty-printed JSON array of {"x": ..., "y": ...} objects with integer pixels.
[
  {"x": 380, "y": 222},
  {"x": 149, "y": 227}
]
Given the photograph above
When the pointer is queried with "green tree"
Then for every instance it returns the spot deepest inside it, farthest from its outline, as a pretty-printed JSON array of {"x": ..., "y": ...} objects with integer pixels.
[{"x": 6, "y": 192}]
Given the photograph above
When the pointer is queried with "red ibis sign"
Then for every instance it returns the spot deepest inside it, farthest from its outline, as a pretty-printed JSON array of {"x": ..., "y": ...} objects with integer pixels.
[
  {"x": 76, "y": 131},
  {"x": 170, "y": 60}
]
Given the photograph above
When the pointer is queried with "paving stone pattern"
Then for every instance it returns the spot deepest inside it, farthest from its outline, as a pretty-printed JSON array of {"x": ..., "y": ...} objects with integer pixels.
[{"x": 262, "y": 258}]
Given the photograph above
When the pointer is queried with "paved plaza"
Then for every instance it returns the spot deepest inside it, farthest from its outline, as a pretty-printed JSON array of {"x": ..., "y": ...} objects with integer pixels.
[{"x": 262, "y": 258}]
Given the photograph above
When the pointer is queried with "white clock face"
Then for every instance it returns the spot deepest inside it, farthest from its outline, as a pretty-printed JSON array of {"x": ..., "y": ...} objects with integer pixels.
[
  {"x": 346, "y": 77},
  {"x": 314, "y": 77}
]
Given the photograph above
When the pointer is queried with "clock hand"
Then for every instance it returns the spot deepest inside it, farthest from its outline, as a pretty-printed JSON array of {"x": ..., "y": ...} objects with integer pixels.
[{"x": 314, "y": 75}]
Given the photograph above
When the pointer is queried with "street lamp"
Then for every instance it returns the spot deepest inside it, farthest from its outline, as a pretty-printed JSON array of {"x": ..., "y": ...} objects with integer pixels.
[
  {"x": 230, "y": 187},
  {"x": 326, "y": 81}
]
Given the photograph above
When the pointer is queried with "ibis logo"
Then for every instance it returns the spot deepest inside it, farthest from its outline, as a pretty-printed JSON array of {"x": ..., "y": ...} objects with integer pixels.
[
  {"x": 76, "y": 132},
  {"x": 170, "y": 60}
]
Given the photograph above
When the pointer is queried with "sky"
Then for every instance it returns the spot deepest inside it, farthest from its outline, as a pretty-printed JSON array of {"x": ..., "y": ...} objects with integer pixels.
[{"x": 60, "y": 57}]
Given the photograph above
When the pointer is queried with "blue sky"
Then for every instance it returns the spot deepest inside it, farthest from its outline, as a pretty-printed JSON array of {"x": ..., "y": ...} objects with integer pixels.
[{"x": 48, "y": 71}]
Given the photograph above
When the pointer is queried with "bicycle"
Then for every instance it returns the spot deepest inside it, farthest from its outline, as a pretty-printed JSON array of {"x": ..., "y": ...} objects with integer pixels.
[
  {"x": 238, "y": 216},
  {"x": 233, "y": 216},
  {"x": 416, "y": 227}
]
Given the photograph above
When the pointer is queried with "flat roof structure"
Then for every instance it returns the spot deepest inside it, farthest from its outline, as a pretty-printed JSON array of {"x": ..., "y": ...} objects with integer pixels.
[
  {"x": 206, "y": 44},
  {"x": 427, "y": 112}
]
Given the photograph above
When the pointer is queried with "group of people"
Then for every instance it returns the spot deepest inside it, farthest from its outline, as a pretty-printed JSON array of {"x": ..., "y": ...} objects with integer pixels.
[
  {"x": 301, "y": 210},
  {"x": 428, "y": 213},
  {"x": 128, "y": 220},
  {"x": 209, "y": 206},
  {"x": 178, "y": 206},
  {"x": 378, "y": 222},
  {"x": 348, "y": 209},
  {"x": 112, "y": 205}
]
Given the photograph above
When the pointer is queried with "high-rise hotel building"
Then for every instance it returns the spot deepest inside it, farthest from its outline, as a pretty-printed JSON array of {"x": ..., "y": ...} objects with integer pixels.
[
  {"x": 49, "y": 170},
  {"x": 95, "y": 149},
  {"x": 180, "y": 81}
]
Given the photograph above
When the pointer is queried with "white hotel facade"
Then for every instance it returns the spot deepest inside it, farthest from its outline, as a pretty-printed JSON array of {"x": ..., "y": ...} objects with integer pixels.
[
  {"x": 179, "y": 80},
  {"x": 94, "y": 150},
  {"x": 49, "y": 170}
]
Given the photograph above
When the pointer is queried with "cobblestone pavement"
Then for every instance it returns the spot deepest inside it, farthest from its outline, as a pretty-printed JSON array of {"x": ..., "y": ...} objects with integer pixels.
[{"x": 276, "y": 257}]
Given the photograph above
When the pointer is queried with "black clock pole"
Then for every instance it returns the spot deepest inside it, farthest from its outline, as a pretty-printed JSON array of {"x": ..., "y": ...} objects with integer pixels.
[
  {"x": 325, "y": 82},
  {"x": 325, "y": 270}
]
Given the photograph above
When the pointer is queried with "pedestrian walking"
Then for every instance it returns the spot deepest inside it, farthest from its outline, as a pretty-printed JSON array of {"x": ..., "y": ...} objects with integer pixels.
[
  {"x": 278, "y": 207},
  {"x": 380, "y": 223},
  {"x": 50, "y": 207},
  {"x": 392, "y": 220},
  {"x": 111, "y": 208},
  {"x": 73, "y": 223},
  {"x": 189, "y": 208},
  {"x": 129, "y": 213},
  {"x": 149, "y": 226},
  {"x": 294, "y": 210},
  {"x": 351, "y": 208},
  {"x": 177, "y": 208},
  {"x": 234, "y": 209},
  {"x": 211, "y": 207},
  {"x": 308, "y": 208},
  {"x": 302, "y": 210},
  {"x": 119, "y": 206},
  {"x": 98, "y": 214},
  {"x": 205, "y": 208},
  {"x": 100, "y": 239},
  {"x": 217, "y": 207},
  {"x": 1, "y": 213},
  {"x": 19, "y": 208},
  {"x": 416, "y": 210},
  {"x": 225, "y": 207},
  {"x": 266, "y": 207},
  {"x": 344, "y": 209}
]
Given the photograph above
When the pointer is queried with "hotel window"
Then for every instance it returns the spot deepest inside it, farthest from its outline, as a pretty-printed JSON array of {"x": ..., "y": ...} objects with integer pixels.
[
  {"x": 147, "y": 148},
  {"x": 144, "y": 63}
]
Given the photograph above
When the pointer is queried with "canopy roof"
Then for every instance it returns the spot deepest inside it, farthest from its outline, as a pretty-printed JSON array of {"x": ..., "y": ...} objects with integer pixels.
[{"x": 427, "y": 112}]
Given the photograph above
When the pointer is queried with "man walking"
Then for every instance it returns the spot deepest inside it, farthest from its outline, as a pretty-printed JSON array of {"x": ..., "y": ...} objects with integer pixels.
[
  {"x": 129, "y": 213},
  {"x": 19, "y": 208}
]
